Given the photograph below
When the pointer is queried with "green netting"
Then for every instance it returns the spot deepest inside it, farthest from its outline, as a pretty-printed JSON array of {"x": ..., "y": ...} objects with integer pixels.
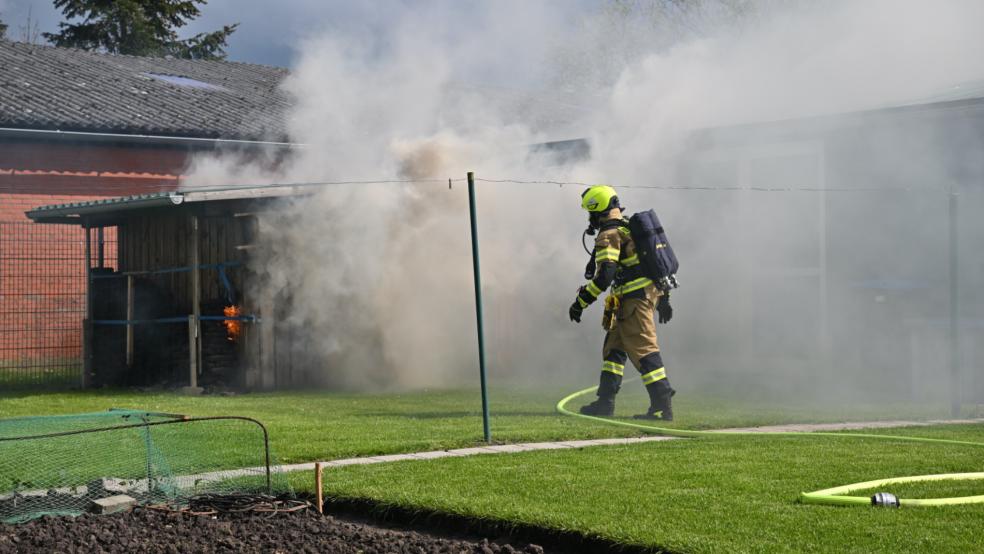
[
  {"x": 62, "y": 464},
  {"x": 40, "y": 425}
]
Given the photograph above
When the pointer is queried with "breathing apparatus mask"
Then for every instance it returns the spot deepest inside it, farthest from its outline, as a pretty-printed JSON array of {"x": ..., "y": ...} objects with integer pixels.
[
  {"x": 594, "y": 225},
  {"x": 598, "y": 201}
]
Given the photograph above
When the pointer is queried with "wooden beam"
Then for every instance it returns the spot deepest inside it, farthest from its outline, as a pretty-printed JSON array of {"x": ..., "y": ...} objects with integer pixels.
[
  {"x": 194, "y": 345},
  {"x": 319, "y": 488}
]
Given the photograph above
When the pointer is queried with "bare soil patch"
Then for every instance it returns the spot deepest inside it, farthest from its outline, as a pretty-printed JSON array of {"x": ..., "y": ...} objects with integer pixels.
[{"x": 153, "y": 531}]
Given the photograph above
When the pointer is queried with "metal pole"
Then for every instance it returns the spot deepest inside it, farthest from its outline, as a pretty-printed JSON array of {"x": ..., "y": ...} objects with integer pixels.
[
  {"x": 192, "y": 352},
  {"x": 129, "y": 318},
  {"x": 954, "y": 306},
  {"x": 101, "y": 259},
  {"x": 478, "y": 305},
  {"x": 87, "y": 328}
]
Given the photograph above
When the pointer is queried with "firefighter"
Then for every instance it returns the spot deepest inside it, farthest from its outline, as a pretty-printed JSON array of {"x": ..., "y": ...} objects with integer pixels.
[{"x": 633, "y": 333}]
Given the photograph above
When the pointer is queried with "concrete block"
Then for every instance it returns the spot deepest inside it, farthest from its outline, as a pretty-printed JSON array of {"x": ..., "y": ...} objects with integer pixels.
[
  {"x": 471, "y": 451},
  {"x": 544, "y": 445},
  {"x": 112, "y": 504},
  {"x": 508, "y": 448},
  {"x": 191, "y": 391},
  {"x": 352, "y": 462},
  {"x": 393, "y": 458},
  {"x": 113, "y": 485},
  {"x": 431, "y": 455},
  {"x": 572, "y": 444},
  {"x": 591, "y": 442}
]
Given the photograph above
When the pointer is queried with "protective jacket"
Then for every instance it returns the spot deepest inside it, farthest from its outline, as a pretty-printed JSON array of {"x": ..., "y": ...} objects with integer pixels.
[
  {"x": 616, "y": 264},
  {"x": 634, "y": 335}
]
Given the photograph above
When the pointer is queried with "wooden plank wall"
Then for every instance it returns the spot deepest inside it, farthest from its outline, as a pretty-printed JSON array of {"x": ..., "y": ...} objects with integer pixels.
[{"x": 159, "y": 239}]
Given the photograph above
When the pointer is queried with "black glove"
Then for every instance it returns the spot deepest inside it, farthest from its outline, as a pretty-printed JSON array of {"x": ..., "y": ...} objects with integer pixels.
[
  {"x": 589, "y": 270},
  {"x": 575, "y": 312},
  {"x": 664, "y": 309}
]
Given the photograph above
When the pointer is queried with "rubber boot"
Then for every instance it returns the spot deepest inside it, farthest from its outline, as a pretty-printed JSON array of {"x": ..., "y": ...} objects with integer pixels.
[
  {"x": 660, "y": 403},
  {"x": 607, "y": 389}
]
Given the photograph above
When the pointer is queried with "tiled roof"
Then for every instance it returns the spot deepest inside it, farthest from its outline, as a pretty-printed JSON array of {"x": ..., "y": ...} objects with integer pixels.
[{"x": 43, "y": 87}]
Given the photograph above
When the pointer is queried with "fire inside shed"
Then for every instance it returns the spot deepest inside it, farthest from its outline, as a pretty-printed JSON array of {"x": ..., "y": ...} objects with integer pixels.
[{"x": 167, "y": 289}]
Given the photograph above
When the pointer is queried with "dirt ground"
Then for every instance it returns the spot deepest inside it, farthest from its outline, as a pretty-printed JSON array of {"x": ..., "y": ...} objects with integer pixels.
[{"x": 152, "y": 531}]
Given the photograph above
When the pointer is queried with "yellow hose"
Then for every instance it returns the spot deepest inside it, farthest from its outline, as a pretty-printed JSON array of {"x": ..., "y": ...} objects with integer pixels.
[{"x": 836, "y": 495}]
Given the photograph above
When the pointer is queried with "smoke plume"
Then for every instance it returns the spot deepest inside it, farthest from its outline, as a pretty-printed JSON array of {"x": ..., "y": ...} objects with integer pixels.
[{"x": 378, "y": 276}]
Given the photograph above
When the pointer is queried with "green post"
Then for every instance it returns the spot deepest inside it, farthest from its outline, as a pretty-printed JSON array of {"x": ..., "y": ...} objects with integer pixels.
[
  {"x": 954, "y": 306},
  {"x": 478, "y": 305}
]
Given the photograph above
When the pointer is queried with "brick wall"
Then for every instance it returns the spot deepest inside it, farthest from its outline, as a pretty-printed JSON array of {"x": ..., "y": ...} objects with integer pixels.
[{"x": 42, "y": 285}]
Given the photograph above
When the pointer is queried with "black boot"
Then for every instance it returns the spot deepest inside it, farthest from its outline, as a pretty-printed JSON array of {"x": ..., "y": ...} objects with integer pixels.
[
  {"x": 607, "y": 389},
  {"x": 601, "y": 407},
  {"x": 660, "y": 403}
]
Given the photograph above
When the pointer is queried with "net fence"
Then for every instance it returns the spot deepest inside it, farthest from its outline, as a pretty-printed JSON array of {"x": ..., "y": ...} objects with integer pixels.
[
  {"x": 69, "y": 465},
  {"x": 42, "y": 301}
]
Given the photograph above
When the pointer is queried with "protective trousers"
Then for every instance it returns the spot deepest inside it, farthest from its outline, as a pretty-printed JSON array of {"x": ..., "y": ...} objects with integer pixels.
[{"x": 634, "y": 337}]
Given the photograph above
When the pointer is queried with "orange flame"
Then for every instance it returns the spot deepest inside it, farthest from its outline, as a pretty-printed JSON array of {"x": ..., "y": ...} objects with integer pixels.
[{"x": 233, "y": 326}]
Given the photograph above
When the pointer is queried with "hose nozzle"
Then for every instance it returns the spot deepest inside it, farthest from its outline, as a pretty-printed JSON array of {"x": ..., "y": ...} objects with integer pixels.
[{"x": 885, "y": 499}]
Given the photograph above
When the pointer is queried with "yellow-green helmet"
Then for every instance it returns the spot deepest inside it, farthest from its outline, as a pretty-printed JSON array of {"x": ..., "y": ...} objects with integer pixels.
[{"x": 599, "y": 198}]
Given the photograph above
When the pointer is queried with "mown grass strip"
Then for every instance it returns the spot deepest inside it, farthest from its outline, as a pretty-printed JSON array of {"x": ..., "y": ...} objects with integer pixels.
[
  {"x": 721, "y": 494},
  {"x": 307, "y": 426}
]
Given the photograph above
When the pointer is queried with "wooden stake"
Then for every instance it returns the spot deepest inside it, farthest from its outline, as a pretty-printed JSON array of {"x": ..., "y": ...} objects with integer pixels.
[{"x": 318, "y": 487}]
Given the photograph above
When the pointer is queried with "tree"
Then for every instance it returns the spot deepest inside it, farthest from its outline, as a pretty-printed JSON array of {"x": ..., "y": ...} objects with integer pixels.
[
  {"x": 3, "y": 29},
  {"x": 137, "y": 27},
  {"x": 31, "y": 31}
]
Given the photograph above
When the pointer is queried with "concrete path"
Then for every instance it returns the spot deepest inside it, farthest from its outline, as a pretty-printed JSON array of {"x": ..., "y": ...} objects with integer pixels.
[
  {"x": 850, "y": 426},
  {"x": 188, "y": 481}
]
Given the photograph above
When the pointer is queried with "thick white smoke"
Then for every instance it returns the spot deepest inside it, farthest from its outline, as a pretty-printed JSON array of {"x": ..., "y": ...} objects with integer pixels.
[
  {"x": 379, "y": 276},
  {"x": 797, "y": 60}
]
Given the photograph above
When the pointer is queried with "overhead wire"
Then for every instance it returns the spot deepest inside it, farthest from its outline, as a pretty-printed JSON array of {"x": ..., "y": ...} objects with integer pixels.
[
  {"x": 562, "y": 184},
  {"x": 720, "y": 188},
  {"x": 107, "y": 189}
]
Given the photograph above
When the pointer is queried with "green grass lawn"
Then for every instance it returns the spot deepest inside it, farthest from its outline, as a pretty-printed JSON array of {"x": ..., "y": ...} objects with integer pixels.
[
  {"x": 312, "y": 426},
  {"x": 707, "y": 495},
  {"x": 307, "y": 426},
  {"x": 57, "y": 376},
  {"x": 723, "y": 494}
]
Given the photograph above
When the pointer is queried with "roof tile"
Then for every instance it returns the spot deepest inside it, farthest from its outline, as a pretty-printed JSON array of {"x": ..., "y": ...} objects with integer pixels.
[{"x": 43, "y": 87}]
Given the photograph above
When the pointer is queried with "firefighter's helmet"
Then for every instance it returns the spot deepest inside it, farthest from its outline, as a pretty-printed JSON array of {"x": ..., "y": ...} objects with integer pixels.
[{"x": 599, "y": 199}]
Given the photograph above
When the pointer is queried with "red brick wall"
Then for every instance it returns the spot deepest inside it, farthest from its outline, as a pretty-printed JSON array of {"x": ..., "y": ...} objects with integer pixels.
[
  {"x": 42, "y": 270},
  {"x": 41, "y": 289}
]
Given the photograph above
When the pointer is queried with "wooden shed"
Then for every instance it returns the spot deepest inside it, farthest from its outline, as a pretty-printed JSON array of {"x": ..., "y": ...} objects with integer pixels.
[
  {"x": 78, "y": 126},
  {"x": 174, "y": 307}
]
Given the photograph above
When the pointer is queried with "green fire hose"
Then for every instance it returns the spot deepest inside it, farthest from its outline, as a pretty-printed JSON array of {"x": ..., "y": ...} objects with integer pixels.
[{"x": 836, "y": 495}]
